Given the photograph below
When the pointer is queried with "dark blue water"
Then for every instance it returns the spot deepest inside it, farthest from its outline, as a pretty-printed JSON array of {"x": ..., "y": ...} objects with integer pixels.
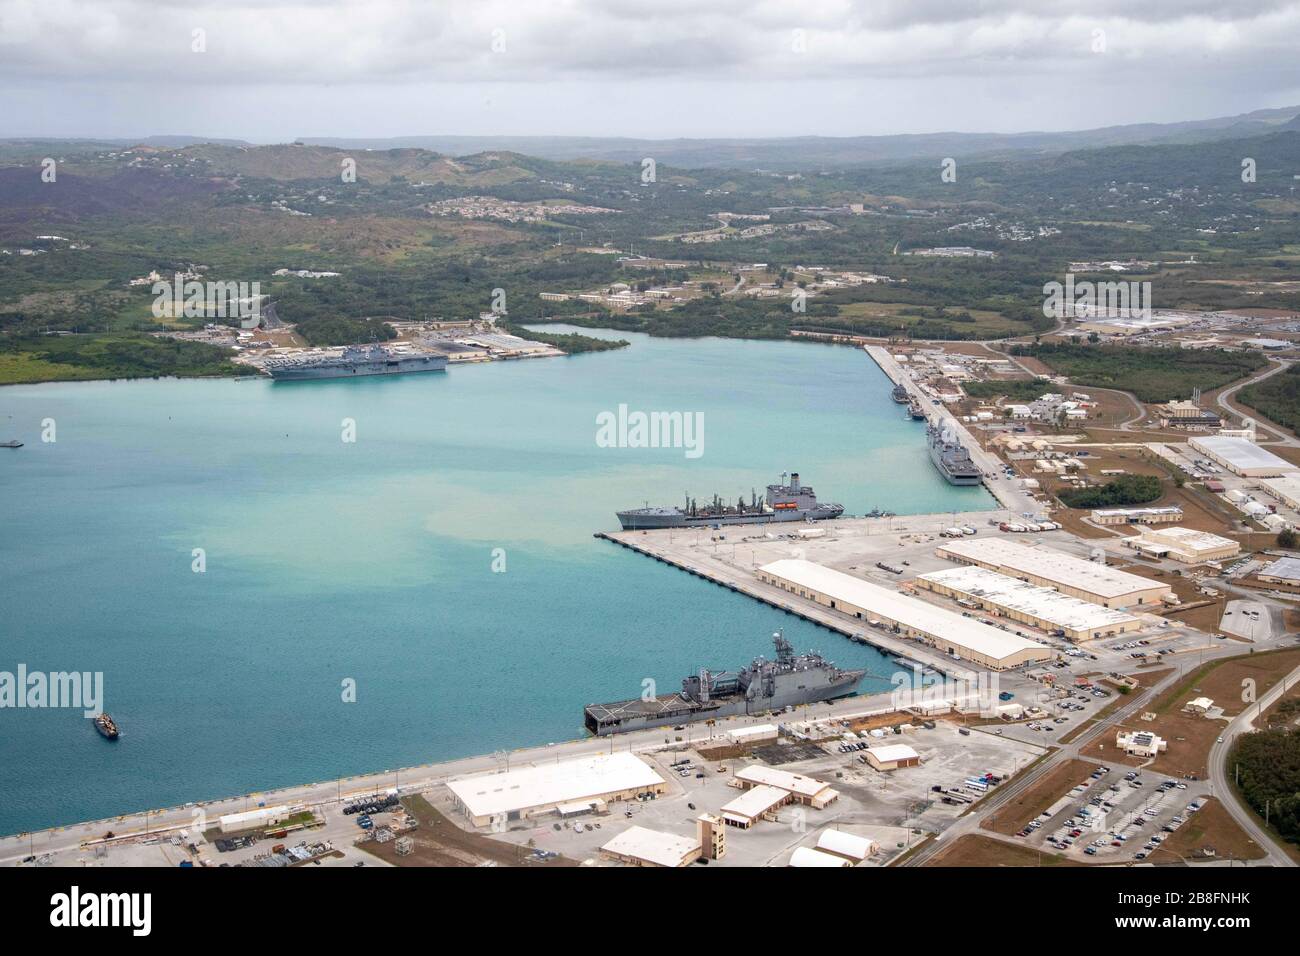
[{"x": 373, "y": 560}]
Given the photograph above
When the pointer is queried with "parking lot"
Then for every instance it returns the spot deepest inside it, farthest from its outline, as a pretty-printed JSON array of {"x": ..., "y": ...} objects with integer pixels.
[{"x": 1115, "y": 815}]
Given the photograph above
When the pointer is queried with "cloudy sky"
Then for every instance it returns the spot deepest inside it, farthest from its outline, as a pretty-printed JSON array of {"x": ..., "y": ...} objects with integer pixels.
[{"x": 272, "y": 70}]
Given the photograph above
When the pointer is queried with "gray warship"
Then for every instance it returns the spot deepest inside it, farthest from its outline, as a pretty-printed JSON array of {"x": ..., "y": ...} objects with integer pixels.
[
  {"x": 763, "y": 686},
  {"x": 355, "y": 360},
  {"x": 783, "y": 502},
  {"x": 951, "y": 457}
]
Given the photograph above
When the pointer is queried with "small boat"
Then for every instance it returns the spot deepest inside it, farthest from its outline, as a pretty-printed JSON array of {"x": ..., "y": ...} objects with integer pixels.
[
  {"x": 106, "y": 727},
  {"x": 11, "y": 444}
]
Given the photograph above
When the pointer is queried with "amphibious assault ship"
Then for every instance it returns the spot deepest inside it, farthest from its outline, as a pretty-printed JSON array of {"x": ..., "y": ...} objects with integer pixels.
[
  {"x": 951, "y": 457},
  {"x": 355, "y": 360},
  {"x": 783, "y": 502},
  {"x": 790, "y": 680}
]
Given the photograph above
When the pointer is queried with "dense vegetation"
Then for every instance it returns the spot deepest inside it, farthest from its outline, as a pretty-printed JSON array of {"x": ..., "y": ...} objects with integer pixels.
[
  {"x": 570, "y": 343},
  {"x": 1152, "y": 374},
  {"x": 1276, "y": 397},
  {"x": 118, "y": 355},
  {"x": 337, "y": 330},
  {"x": 1122, "y": 491},
  {"x": 1268, "y": 775},
  {"x": 1016, "y": 389}
]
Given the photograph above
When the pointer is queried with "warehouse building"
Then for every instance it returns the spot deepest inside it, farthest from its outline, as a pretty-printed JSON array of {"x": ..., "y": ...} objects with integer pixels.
[
  {"x": 946, "y": 630},
  {"x": 1186, "y": 545},
  {"x": 253, "y": 819},
  {"x": 805, "y": 790},
  {"x": 1089, "y": 580},
  {"x": 892, "y": 756},
  {"x": 1285, "y": 488},
  {"x": 1242, "y": 457},
  {"x": 753, "y": 736},
  {"x": 806, "y": 856},
  {"x": 848, "y": 845},
  {"x": 532, "y": 791},
  {"x": 640, "y": 846},
  {"x": 1031, "y": 604},
  {"x": 1138, "y": 515},
  {"x": 1281, "y": 571},
  {"x": 757, "y": 803}
]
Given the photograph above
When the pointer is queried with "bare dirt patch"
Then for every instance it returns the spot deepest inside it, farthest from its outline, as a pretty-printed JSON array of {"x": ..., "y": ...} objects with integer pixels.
[
  {"x": 982, "y": 851},
  {"x": 1211, "y": 827}
]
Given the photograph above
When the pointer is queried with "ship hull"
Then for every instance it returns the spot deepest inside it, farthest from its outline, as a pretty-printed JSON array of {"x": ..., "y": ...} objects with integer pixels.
[
  {"x": 641, "y": 521},
  {"x": 400, "y": 367},
  {"x": 691, "y": 711}
]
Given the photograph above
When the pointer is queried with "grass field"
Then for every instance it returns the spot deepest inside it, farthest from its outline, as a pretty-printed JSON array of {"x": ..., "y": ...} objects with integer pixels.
[{"x": 982, "y": 851}]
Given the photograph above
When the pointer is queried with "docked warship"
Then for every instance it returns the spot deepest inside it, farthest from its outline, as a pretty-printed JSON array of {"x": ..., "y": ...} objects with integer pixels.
[
  {"x": 951, "y": 457},
  {"x": 790, "y": 680},
  {"x": 783, "y": 502},
  {"x": 355, "y": 360}
]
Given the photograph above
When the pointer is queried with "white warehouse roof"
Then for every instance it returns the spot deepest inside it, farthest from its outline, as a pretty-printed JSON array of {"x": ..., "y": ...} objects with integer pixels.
[
  {"x": 1241, "y": 455},
  {"x": 907, "y": 611},
  {"x": 654, "y": 846},
  {"x": 807, "y": 856},
  {"x": 1044, "y": 603},
  {"x": 1286, "y": 568},
  {"x": 888, "y": 753},
  {"x": 553, "y": 783},
  {"x": 846, "y": 844},
  {"x": 1091, "y": 576}
]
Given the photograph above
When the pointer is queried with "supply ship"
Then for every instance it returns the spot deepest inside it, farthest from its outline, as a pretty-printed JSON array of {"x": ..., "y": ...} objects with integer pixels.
[
  {"x": 951, "y": 457},
  {"x": 790, "y": 680},
  {"x": 783, "y": 502},
  {"x": 899, "y": 394},
  {"x": 355, "y": 360}
]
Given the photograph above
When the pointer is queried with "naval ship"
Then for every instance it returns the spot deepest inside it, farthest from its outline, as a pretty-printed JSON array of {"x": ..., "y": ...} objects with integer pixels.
[
  {"x": 899, "y": 394},
  {"x": 764, "y": 685},
  {"x": 355, "y": 360},
  {"x": 783, "y": 502},
  {"x": 951, "y": 457}
]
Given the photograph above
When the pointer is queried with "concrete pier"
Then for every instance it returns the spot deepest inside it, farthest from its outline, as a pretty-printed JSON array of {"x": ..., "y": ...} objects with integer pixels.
[{"x": 1011, "y": 497}]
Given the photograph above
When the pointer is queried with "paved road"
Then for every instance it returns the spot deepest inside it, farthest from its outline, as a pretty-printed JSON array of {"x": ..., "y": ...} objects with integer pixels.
[
  {"x": 1224, "y": 402},
  {"x": 1220, "y": 785},
  {"x": 971, "y": 823}
]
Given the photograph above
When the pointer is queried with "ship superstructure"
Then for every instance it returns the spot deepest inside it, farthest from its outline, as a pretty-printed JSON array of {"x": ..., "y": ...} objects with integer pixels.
[
  {"x": 353, "y": 361},
  {"x": 951, "y": 457},
  {"x": 786, "y": 501},
  {"x": 765, "y": 685}
]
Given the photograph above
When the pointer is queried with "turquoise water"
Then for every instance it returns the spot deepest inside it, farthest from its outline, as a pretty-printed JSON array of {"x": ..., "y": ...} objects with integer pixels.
[{"x": 373, "y": 560}]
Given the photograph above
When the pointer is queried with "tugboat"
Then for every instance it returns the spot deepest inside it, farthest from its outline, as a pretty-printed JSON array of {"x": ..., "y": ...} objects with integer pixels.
[{"x": 106, "y": 727}]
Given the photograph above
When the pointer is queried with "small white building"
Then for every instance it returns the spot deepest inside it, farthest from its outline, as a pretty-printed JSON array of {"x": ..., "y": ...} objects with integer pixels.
[
  {"x": 806, "y": 856},
  {"x": 1140, "y": 743}
]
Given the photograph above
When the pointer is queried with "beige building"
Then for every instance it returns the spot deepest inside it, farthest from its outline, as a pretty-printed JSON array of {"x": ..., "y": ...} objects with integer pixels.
[
  {"x": 1031, "y": 604},
  {"x": 1089, "y": 580},
  {"x": 1285, "y": 488},
  {"x": 1113, "y": 516},
  {"x": 1186, "y": 545},
  {"x": 526, "y": 792},
  {"x": 755, "y": 804},
  {"x": 954, "y": 635},
  {"x": 1140, "y": 743},
  {"x": 892, "y": 756},
  {"x": 1281, "y": 571},
  {"x": 805, "y": 790},
  {"x": 712, "y": 832},
  {"x": 639, "y": 846},
  {"x": 1242, "y": 457}
]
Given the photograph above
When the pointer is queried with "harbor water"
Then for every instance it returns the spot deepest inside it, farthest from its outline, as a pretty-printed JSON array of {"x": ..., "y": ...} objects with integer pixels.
[{"x": 233, "y": 565}]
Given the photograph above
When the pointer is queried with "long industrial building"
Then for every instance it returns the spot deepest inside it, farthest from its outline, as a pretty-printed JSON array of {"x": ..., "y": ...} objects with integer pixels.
[
  {"x": 1285, "y": 489},
  {"x": 1242, "y": 457},
  {"x": 1089, "y": 580},
  {"x": 1031, "y": 604},
  {"x": 585, "y": 783},
  {"x": 946, "y": 630},
  {"x": 1184, "y": 544}
]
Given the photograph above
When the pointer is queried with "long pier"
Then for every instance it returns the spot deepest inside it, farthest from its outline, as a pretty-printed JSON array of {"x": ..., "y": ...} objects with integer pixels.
[
  {"x": 1004, "y": 490},
  {"x": 742, "y": 581}
]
